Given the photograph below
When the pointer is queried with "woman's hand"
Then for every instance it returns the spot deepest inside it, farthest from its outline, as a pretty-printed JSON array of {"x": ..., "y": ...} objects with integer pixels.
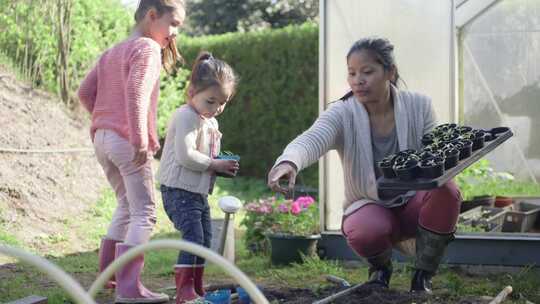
[
  {"x": 227, "y": 166},
  {"x": 285, "y": 170}
]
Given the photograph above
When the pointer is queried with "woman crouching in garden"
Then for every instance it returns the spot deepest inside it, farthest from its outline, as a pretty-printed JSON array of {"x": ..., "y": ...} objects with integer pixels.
[{"x": 374, "y": 120}]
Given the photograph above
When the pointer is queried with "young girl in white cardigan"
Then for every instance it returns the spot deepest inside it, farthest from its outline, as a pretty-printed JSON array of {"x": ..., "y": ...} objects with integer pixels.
[{"x": 188, "y": 165}]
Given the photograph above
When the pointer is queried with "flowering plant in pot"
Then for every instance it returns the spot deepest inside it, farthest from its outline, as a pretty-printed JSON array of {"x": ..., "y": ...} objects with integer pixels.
[
  {"x": 257, "y": 220},
  {"x": 299, "y": 217},
  {"x": 287, "y": 224}
]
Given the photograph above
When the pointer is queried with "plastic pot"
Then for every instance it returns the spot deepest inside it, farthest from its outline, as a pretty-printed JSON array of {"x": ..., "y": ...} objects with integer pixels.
[
  {"x": 478, "y": 140},
  {"x": 386, "y": 166},
  {"x": 465, "y": 148},
  {"x": 221, "y": 296},
  {"x": 451, "y": 157},
  {"x": 426, "y": 155},
  {"x": 463, "y": 129},
  {"x": 408, "y": 170},
  {"x": 503, "y": 201},
  {"x": 228, "y": 157},
  {"x": 428, "y": 139},
  {"x": 432, "y": 167},
  {"x": 287, "y": 249},
  {"x": 444, "y": 128},
  {"x": 498, "y": 131},
  {"x": 387, "y": 170}
]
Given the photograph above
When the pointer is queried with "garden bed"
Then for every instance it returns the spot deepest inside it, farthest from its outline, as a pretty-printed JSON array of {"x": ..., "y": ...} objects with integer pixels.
[{"x": 364, "y": 295}]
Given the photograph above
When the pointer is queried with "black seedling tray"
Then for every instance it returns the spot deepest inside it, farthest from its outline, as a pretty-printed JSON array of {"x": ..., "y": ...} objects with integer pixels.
[{"x": 424, "y": 183}]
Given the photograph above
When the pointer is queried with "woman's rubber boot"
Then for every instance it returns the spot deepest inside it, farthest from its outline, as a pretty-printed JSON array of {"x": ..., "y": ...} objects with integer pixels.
[
  {"x": 380, "y": 269},
  {"x": 106, "y": 257},
  {"x": 184, "y": 278},
  {"x": 199, "y": 285},
  {"x": 129, "y": 288},
  {"x": 430, "y": 248}
]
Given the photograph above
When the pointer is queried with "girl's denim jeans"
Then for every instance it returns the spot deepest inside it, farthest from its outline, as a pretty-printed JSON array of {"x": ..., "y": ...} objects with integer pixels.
[{"x": 190, "y": 214}]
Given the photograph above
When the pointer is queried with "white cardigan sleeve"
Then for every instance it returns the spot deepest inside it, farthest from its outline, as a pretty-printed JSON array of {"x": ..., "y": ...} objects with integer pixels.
[{"x": 313, "y": 143}]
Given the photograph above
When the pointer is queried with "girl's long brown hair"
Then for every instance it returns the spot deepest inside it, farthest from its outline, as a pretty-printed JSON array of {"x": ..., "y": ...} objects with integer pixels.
[{"x": 169, "y": 55}]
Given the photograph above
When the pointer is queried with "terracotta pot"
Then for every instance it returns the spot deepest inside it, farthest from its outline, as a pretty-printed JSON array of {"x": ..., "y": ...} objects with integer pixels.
[{"x": 503, "y": 201}]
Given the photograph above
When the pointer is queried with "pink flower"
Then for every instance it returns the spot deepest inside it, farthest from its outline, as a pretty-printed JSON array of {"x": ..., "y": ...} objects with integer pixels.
[
  {"x": 283, "y": 208},
  {"x": 265, "y": 209},
  {"x": 296, "y": 208},
  {"x": 251, "y": 207},
  {"x": 305, "y": 201}
]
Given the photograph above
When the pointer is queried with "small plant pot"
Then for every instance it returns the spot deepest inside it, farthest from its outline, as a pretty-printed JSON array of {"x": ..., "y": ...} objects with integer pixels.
[
  {"x": 431, "y": 167},
  {"x": 406, "y": 152},
  {"x": 386, "y": 166},
  {"x": 465, "y": 148},
  {"x": 451, "y": 157},
  {"x": 478, "y": 140},
  {"x": 426, "y": 155},
  {"x": 387, "y": 170},
  {"x": 450, "y": 138},
  {"x": 228, "y": 157},
  {"x": 488, "y": 136},
  {"x": 408, "y": 170},
  {"x": 444, "y": 128},
  {"x": 428, "y": 139},
  {"x": 463, "y": 129},
  {"x": 503, "y": 201},
  {"x": 495, "y": 132}
]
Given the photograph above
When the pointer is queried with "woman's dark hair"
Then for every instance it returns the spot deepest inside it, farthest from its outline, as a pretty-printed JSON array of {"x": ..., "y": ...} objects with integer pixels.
[
  {"x": 382, "y": 51},
  {"x": 209, "y": 71},
  {"x": 170, "y": 55}
]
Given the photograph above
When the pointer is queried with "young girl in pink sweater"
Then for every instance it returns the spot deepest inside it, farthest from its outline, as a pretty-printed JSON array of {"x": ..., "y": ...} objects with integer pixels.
[{"x": 121, "y": 93}]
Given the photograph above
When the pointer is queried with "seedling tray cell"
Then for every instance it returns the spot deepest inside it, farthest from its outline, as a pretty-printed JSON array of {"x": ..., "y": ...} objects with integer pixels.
[{"x": 424, "y": 183}]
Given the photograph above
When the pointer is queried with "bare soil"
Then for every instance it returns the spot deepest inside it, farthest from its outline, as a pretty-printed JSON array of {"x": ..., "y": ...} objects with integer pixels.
[{"x": 41, "y": 194}]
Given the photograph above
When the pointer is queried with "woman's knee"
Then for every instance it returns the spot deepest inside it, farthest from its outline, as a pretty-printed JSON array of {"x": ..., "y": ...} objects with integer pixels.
[
  {"x": 448, "y": 192},
  {"x": 369, "y": 242}
]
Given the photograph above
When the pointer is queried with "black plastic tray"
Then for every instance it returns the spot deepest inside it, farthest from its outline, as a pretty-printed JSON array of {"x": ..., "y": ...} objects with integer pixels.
[{"x": 425, "y": 183}]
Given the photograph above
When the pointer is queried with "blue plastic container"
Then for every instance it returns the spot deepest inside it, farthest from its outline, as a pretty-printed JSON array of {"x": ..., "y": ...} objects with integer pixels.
[
  {"x": 243, "y": 297},
  {"x": 221, "y": 296}
]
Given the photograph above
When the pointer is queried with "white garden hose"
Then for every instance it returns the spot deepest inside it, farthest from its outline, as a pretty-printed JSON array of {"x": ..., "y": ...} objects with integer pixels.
[
  {"x": 255, "y": 294},
  {"x": 77, "y": 293}
]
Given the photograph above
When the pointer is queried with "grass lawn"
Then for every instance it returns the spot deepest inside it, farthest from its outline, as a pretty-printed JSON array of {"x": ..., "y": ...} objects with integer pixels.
[{"x": 18, "y": 280}]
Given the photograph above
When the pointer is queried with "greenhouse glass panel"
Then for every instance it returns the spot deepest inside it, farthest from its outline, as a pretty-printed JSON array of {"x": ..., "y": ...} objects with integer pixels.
[{"x": 501, "y": 81}]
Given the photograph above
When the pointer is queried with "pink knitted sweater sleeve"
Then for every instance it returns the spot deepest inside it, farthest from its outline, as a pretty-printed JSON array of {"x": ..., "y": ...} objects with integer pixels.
[
  {"x": 144, "y": 69},
  {"x": 88, "y": 90}
]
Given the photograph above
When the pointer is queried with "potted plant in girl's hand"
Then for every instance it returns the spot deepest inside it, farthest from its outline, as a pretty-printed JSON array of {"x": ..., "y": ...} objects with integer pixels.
[{"x": 228, "y": 155}]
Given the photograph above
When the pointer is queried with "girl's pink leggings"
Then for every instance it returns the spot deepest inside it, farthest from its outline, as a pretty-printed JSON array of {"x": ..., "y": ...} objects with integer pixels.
[
  {"x": 135, "y": 214},
  {"x": 372, "y": 228}
]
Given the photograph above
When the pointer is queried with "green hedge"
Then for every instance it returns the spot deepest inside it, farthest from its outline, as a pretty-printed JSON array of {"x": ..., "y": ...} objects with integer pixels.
[
  {"x": 278, "y": 69},
  {"x": 277, "y": 96}
]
